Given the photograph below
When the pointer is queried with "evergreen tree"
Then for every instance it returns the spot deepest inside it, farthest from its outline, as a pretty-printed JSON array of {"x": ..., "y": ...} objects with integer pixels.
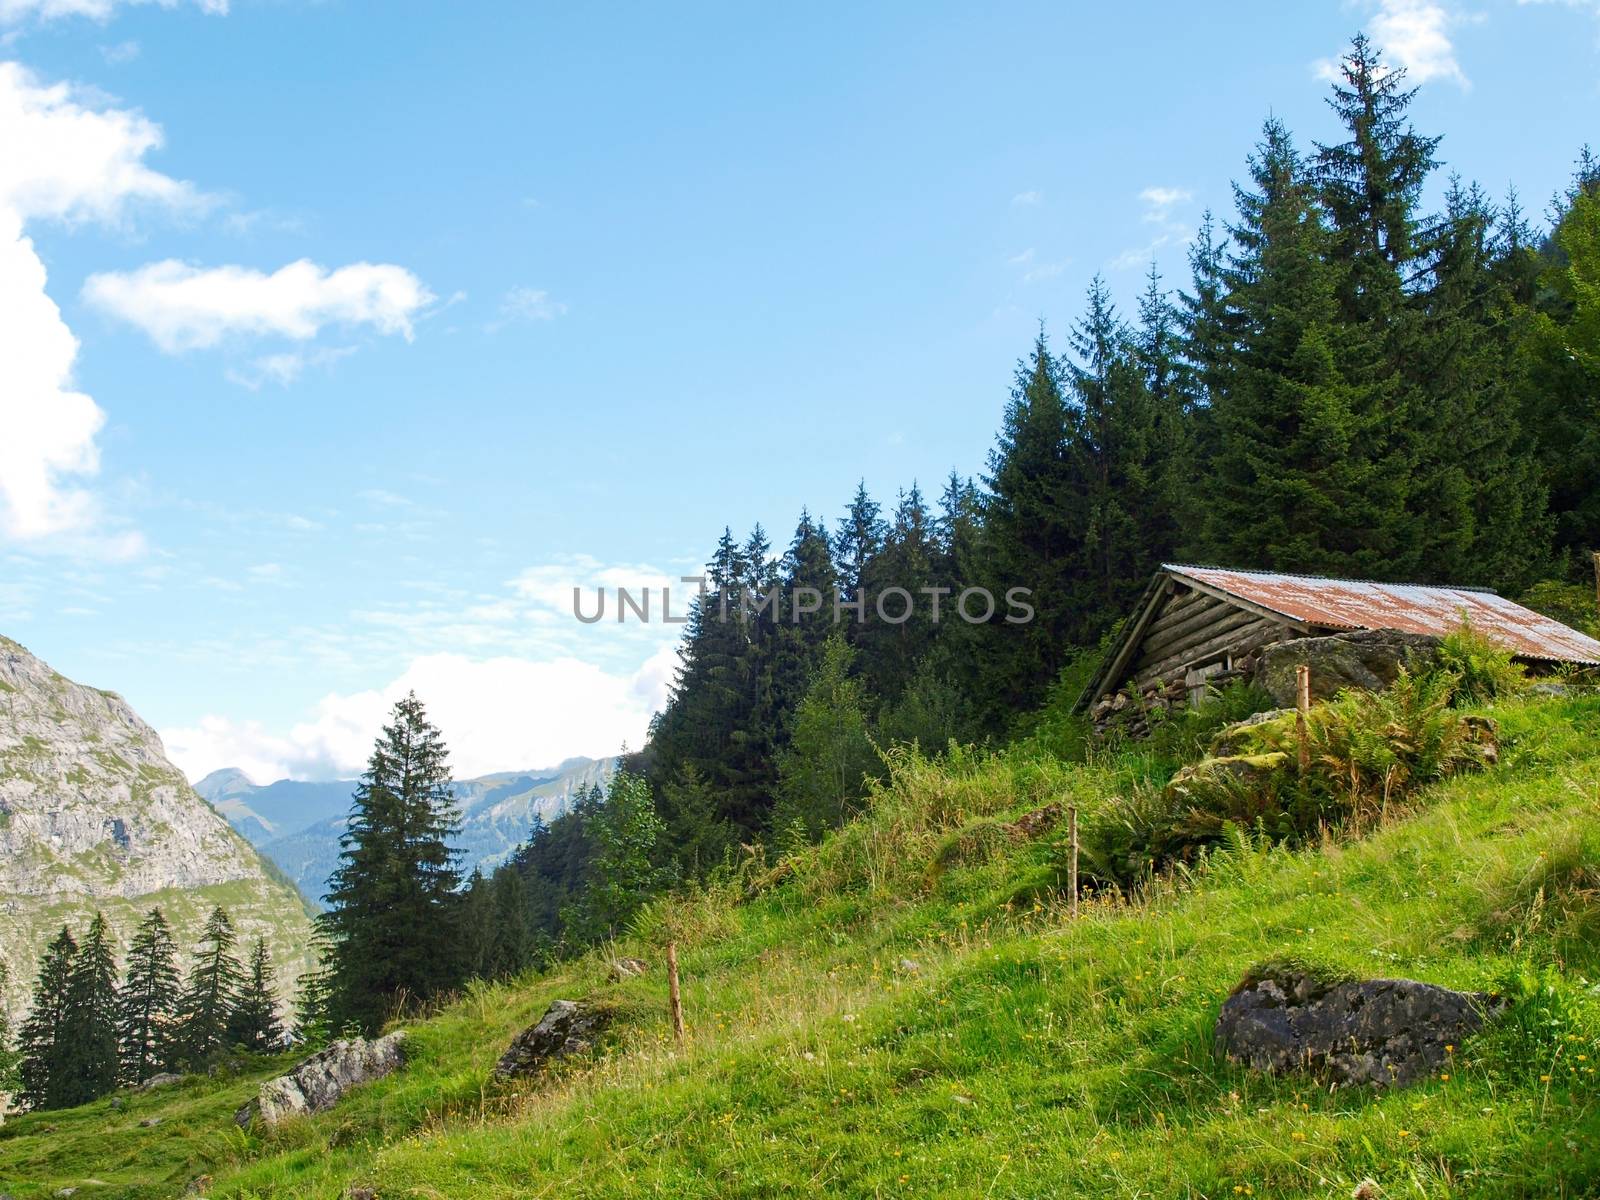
[
  {"x": 1121, "y": 525},
  {"x": 858, "y": 539},
  {"x": 210, "y": 994},
  {"x": 623, "y": 874},
  {"x": 1030, "y": 540},
  {"x": 148, "y": 1003},
  {"x": 475, "y": 918},
  {"x": 89, "y": 1025},
  {"x": 1559, "y": 361},
  {"x": 313, "y": 1018},
  {"x": 10, "y": 1057},
  {"x": 822, "y": 773},
  {"x": 511, "y": 946},
  {"x": 44, "y": 1069},
  {"x": 390, "y": 922},
  {"x": 254, "y": 1023},
  {"x": 1302, "y": 478},
  {"x": 899, "y": 629}
]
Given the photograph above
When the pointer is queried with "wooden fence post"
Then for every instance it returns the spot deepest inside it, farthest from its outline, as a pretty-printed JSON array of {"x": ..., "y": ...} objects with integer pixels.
[
  {"x": 673, "y": 994},
  {"x": 1302, "y": 681},
  {"x": 1072, "y": 862},
  {"x": 1597, "y": 576}
]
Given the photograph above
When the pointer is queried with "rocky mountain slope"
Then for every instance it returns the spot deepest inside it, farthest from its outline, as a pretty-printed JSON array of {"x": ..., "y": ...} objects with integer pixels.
[
  {"x": 93, "y": 816},
  {"x": 497, "y": 812}
]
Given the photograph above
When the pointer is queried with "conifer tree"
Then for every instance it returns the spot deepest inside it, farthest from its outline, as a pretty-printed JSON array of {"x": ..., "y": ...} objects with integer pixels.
[
  {"x": 210, "y": 993},
  {"x": 44, "y": 1070},
  {"x": 148, "y": 1002},
  {"x": 624, "y": 872},
  {"x": 1302, "y": 477},
  {"x": 822, "y": 773},
  {"x": 10, "y": 1057},
  {"x": 254, "y": 1023},
  {"x": 858, "y": 539},
  {"x": 1120, "y": 520},
  {"x": 511, "y": 946},
  {"x": 89, "y": 1024},
  {"x": 899, "y": 629},
  {"x": 390, "y": 922},
  {"x": 1030, "y": 540}
]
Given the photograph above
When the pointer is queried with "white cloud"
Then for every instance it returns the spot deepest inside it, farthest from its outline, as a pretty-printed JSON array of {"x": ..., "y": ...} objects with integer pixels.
[
  {"x": 497, "y": 714},
  {"x": 526, "y": 304},
  {"x": 66, "y": 159},
  {"x": 1160, "y": 200},
  {"x": 121, "y": 52},
  {"x": 12, "y": 11},
  {"x": 1160, "y": 205},
  {"x": 1414, "y": 34},
  {"x": 183, "y": 307},
  {"x": 1034, "y": 269},
  {"x": 286, "y": 367},
  {"x": 1027, "y": 199}
]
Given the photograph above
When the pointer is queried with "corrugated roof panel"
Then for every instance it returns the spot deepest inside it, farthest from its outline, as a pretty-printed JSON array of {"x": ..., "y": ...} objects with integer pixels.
[{"x": 1357, "y": 604}]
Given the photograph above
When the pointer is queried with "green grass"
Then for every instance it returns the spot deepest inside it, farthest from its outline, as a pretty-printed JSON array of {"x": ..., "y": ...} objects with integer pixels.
[{"x": 1021, "y": 1055}]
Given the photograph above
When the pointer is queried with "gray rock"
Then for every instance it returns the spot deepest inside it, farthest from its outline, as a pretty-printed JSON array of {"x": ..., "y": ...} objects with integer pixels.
[
  {"x": 627, "y": 968},
  {"x": 149, "y": 1122},
  {"x": 160, "y": 1081},
  {"x": 566, "y": 1028},
  {"x": 317, "y": 1084},
  {"x": 1382, "y": 1032},
  {"x": 1368, "y": 659},
  {"x": 1237, "y": 738},
  {"x": 118, "y": 1103}
]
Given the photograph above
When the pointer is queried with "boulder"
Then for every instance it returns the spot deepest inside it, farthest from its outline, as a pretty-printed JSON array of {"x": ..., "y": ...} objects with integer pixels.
[
  {"x": 1369, "y": 659},
  {"x": 1258, "y": 734},
  {"x": 1040, "y": 821},
  {"x": 1200, "y": 781},
  {"x": 1379, "y": 1032},
  {"x": 317, "y": 1084},
  {"x": 627, "y": 968},
  {"x": 160, "y": 1081},
  {"x": 567, "y": 1027}
]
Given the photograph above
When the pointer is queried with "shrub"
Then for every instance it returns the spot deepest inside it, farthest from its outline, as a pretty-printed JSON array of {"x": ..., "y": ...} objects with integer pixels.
[
  {"x": 1368, "y": 750},
  {"x": 1479, "y": 670}
]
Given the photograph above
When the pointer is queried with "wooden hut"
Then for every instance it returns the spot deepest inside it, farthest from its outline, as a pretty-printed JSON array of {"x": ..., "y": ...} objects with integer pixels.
[{"x": 1198, "y": 627}]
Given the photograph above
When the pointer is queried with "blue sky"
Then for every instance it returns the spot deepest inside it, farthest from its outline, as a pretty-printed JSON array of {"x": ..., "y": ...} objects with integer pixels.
[{"x": 393, "y": 325}]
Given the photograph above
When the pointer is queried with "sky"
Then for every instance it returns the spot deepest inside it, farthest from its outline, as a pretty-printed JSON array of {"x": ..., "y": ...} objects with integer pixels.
[{"x": 340, "y": 340}]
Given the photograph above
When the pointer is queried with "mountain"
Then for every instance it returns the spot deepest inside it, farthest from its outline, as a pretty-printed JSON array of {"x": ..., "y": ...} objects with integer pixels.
[
  {"x": 93, "y": 816},
  {"x": 264, "y": 813},
  {"x": 298, "y": 824}
]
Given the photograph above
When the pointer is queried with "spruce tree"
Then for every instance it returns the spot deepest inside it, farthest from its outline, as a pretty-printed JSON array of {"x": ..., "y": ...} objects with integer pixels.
[
  {"x": 210, "y": 994},
  {"x": 1030, "y": 540},
  {"x": 391, "y": 902},
  {"x": 1302, "y": 476},
  {"x": 822, "y": 773},
  {"x": 10, "y": 1057},
  {"x": 88, "y": 1036},
  {"x": 43, "y": 1070},
  {"x": 624, "y": 872},
  {"x": 254, "y": 1023},
  {"x": 148, "y": 1002},
  {"x": 511, "y": 944}
]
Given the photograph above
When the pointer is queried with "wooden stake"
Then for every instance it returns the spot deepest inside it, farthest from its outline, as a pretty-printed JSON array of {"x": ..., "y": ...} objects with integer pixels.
[
  {"x": 673, "y": 994},
  {"x": 1302, "y": 681},
  {"x": 1597, "y": 576},
  {"x": 1072, "y": 863}
]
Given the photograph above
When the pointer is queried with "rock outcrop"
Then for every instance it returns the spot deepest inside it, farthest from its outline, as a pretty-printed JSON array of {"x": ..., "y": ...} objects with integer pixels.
[
  {"x": 1369, "y": 659},
  {"x": 1378, "y": 1032},
  {"x": 567, "y": 1028},
  {"x": 318, "y": 1083},
  {"x": 94, "y": 817}
]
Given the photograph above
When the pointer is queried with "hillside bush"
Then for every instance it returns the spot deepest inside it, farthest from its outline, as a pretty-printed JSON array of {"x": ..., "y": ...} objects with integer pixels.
[{"x": 1479, "y": 670}]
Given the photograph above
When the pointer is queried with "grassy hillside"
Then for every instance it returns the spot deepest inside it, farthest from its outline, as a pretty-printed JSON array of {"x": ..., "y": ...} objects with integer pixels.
[{"x": 907, "y": 1011}]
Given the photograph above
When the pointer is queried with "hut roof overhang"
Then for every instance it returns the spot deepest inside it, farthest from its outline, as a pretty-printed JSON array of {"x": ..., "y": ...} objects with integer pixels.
[{"x": 1307, "y": 604}]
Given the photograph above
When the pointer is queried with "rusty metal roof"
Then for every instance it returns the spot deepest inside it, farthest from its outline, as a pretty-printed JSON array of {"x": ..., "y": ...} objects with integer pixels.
[{"x": 1358, "y": 604}]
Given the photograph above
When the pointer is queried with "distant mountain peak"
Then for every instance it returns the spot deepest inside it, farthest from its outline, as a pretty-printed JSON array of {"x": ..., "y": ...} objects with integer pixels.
[{"x": 229, "y": 781}]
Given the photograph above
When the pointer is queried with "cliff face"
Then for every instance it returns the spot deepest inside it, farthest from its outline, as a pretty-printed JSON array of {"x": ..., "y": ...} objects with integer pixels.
[{"x": 93, "y": 816}]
